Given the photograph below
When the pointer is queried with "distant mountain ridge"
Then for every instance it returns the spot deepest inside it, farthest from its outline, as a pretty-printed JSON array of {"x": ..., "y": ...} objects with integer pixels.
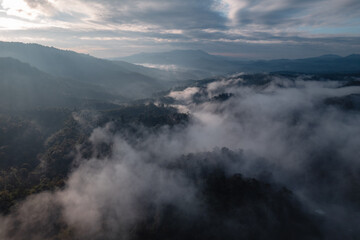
[
  {"x": 175, "y": 55},
  {"x": 188, "y": 59},
  {"x": 196, "y": 63},
  {"x": 25, "y": 87},
  {"x": 85, "y": 68},
  {"x": 33, "y": 75},
  {"x": 200, "y": 60}
]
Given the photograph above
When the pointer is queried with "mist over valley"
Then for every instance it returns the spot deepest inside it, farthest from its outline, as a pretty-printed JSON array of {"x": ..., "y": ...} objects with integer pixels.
[{"x": 174, "y": 120}]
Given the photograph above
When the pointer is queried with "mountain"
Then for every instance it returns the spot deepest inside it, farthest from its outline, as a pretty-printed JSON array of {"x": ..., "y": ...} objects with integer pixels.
[
  {"x": 200, "y": 63},
  {"x": 178, "y": 57},
  {"x": 211, "y": 64},
  {"x": 165, "y": 73},
  {"x": 322, "y": 64},
  {"x": 46, "y": 76},
  {"x": 149, "y": 155},
  {"x": 25, "y": 87},
  {"x": 117, "y": 79}
]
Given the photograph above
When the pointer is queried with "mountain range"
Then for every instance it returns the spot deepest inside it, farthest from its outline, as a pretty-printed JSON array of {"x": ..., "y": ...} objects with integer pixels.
[
  {"x": 34, "y": 76},
  {"x": 116, "y": 79},
  {"x": 23, "y": 86},
  {"x": 214, "y": 65}
]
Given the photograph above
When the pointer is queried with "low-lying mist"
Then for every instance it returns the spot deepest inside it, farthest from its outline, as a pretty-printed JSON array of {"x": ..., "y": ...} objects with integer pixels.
[{"x": 257, "y": 160}]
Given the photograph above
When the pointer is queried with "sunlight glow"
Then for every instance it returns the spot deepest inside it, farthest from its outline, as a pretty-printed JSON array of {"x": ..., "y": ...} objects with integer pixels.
[
  {"x": 15, "y": 24},
  {"x": 20, "y": 8},
  {"x": 231, "y": 7}
]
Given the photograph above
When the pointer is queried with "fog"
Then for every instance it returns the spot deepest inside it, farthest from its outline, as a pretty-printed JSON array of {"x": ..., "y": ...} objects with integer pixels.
[{"x": 280, "y": 131}]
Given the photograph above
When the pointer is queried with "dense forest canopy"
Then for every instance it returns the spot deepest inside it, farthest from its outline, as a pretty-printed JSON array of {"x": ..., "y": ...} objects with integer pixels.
[{"x": 250, "y": 155}]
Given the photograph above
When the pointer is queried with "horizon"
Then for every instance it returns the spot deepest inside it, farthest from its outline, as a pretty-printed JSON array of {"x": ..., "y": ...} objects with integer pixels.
[
  {"x": 122, "y": 58},
  {"x": 266, "y": 30}
]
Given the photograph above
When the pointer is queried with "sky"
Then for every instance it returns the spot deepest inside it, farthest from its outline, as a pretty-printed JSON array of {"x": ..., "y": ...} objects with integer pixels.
[{"x": 261, "y": 29}]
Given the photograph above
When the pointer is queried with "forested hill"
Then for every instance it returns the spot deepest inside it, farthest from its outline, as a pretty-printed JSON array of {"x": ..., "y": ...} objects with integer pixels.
[
  {"x": 23, "y": 87},
  {"x": 115, "y": 78}
]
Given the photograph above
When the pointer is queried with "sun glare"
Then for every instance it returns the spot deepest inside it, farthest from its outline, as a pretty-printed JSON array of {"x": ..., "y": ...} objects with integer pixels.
[{"x": 19, "y": 8}]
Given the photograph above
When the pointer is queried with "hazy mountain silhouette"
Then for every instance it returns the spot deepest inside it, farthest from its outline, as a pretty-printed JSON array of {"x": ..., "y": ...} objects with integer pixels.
[
  {"x": 178, "y": 57},
  {"x": 46, "y": 76},
  {"x": 202, "y": 61},
  {"x": 117, "y": 79},
  {"x": 167, "y": 75},
  {"x": 322, "y": 64},
  {"x": 205, "y": 64},
  {"x": 23, "y": 86}
]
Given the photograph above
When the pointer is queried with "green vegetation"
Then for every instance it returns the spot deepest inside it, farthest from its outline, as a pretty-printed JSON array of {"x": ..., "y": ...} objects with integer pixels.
[{"x": 37, "y": 148}]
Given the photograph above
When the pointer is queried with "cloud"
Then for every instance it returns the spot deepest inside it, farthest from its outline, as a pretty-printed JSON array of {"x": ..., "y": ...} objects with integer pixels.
[
  {"x": 214, "y": 25},
  {"x": 291, "y": 13},
  {"x": 20, "y": 9},
  {"x": 44, "y": 5},
  {"x": 276, "y": 129}
]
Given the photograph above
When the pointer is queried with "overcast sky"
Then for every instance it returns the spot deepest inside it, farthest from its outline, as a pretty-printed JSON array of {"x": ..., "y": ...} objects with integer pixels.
[{"x": 241, "y": 28}]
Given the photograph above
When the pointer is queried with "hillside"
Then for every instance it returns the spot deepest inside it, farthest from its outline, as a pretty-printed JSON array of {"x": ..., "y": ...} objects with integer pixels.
[
  {"x": 117, "y": 79},
  {"x": 23, "y": 86},
  {"x": 249, "y": 155}
]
